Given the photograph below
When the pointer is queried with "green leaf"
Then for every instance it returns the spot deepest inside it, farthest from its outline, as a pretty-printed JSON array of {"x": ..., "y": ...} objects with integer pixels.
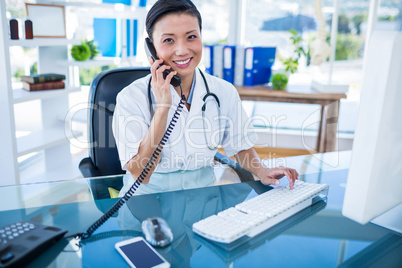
[
  {"x": 93, "y": 48},
  {"x": 293, "y": 31},
  {"x": 80, "y": 52}
]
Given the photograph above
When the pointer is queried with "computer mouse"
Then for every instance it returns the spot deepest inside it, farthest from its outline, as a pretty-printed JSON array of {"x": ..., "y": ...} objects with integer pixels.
[{"x": 157, "y": 232}]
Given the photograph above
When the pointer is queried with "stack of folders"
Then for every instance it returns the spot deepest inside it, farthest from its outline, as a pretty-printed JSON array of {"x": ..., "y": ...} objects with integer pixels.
[
  {"x": 109, "y": 35},
  {"x": 46, "y": 81},
  {"x": 248, "y": 66}
]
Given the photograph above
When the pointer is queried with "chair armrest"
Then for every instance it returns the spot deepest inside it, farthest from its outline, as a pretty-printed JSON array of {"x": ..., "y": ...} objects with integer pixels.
[
  {"x": 88, "y": 169},
  {"x": 243, "y": 174},
  {"x": 99, "y": 187}
]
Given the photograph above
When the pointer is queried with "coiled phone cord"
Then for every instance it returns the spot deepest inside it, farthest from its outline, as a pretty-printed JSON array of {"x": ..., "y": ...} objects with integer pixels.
[{"x": 141, "y": 177}]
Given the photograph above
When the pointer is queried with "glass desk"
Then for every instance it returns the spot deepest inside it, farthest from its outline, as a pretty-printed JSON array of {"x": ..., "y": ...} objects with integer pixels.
[{"x": 319, "y": 237}]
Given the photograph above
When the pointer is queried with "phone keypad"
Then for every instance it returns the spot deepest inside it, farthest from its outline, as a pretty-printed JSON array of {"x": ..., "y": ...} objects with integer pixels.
[{"x": 14, "y": 230}]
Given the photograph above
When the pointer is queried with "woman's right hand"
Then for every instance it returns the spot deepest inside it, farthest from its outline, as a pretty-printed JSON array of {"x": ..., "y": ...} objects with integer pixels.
[{"x": 161, "y": 86}]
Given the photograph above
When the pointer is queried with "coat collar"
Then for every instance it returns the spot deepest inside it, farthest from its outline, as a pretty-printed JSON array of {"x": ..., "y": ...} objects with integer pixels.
[{"x": 198, "y": 94}]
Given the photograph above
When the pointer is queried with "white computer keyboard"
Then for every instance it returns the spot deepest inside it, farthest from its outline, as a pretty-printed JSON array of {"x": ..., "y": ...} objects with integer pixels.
[{"x": 259, "y": 213}]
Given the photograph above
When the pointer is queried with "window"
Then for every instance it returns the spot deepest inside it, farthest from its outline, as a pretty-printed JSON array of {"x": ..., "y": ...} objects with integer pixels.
[
  {"x": 215, "y": 19},
  {"x": 389, "y": 16}
]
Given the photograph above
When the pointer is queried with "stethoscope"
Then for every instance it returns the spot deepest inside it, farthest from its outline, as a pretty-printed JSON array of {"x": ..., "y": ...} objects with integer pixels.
[{"x": 209, "y": 96}]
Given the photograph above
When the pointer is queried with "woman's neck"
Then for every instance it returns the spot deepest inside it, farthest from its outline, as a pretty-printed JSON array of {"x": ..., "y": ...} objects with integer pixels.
[{"x": 186, "y": 83}]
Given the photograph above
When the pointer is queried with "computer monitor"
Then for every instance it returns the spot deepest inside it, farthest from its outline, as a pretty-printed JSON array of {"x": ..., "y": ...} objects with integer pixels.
[{"x": 374, "y": 185}]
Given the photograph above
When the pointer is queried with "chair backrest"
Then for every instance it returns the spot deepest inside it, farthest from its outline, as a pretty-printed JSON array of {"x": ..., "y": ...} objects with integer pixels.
[{"x": 102, "y": 97}]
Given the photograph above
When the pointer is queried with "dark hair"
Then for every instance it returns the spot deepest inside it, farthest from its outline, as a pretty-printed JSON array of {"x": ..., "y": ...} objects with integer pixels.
[{"x": 165, "y": 7}]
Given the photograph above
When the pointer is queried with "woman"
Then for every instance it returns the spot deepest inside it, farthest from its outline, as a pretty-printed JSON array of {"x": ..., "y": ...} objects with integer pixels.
[{"x": 174, "y": 26}]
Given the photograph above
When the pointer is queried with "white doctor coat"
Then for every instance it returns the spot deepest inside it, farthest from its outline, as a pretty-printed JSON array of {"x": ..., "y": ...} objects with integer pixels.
[{"x": 187, "y": 147}]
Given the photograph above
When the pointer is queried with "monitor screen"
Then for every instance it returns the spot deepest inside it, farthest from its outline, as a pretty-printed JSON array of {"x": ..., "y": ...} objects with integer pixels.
[{"x": 374, "y": 184}]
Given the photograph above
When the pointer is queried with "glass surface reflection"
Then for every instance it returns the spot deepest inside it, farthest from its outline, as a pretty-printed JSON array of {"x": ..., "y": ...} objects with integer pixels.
[{"x": 321, "y": 237}]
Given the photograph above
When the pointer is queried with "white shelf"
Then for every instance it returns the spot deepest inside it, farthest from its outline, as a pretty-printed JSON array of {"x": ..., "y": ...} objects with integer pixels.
[
  {"x": 90, "y": 63},
  {"x": 41, "y": 140},
  {"x": 37, "y": 42},
  {"x": 22, "y": 95},
  {"x": 110, "y": 6},
  {"x": 38, "y": 173}
]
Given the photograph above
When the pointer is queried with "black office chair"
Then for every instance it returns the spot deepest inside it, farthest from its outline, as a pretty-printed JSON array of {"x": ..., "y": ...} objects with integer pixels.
[{"x": 103, "y": 158}]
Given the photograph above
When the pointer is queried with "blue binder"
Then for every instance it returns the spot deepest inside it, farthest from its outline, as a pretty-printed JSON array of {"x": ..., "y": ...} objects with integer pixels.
[
  {"x": 209, "y": 59},
  {"x": 258, "y": 63},
  {"x": 132, "y": 48},
  {"x": 108, "y": 35},
  {"x": 128, "y": 26},
  {"x": 229, "y": 63},
  {"x": 239, "y": 66},
  {"x": 218, "y": 61},
  {"x": 125, "y": 2}
]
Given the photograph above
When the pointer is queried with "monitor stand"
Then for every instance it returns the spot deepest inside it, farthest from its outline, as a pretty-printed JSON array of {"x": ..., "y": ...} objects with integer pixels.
[{"x": 392, "y": 219}]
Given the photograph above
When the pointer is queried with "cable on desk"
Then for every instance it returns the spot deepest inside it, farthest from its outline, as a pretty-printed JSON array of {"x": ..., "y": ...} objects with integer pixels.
[{"x": 141, "y": 177}]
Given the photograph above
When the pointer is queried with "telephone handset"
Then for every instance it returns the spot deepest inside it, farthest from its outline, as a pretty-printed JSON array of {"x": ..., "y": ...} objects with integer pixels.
[{"x": 151, "y": 52}]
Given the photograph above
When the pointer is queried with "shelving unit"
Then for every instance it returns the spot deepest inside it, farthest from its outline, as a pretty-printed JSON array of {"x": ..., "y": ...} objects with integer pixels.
[
  {"x": 91, "y": 5},
  {"x": 51, "y": 139},
  {"x": 21, "y": 95},
  {"x": 42, "y": 140},
  {"x": 76, "y": 65},
  {"x": 8, "y": 142},
  {"x": 43, "y": 42},
  {"x": 89, "y": 63}
]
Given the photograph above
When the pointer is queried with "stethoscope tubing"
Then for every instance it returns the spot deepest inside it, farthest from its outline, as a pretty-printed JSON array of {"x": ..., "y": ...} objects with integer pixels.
[{"x": 203, "y": 108}]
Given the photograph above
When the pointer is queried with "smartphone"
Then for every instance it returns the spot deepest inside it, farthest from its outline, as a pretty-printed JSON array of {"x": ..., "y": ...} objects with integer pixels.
[
  {"x": 151, "y": 52},
  {"x": 139, "y": 254}
]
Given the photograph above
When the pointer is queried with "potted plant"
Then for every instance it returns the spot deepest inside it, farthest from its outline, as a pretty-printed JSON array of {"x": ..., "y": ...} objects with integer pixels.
[
  {"x": 279, "y": 81},
  {"x": 87, "y": 50},
  {"x": 292, "y": 63}
]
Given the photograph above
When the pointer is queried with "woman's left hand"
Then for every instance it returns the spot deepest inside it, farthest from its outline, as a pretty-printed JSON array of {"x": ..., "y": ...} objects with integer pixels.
[{"x": 272, "y": 175}]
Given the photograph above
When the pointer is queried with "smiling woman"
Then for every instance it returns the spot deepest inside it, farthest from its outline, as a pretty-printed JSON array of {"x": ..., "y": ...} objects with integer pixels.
[
  {"x": 175, "y": 29},
  {"x": 177, "y": 38},
  {"x": 213, "y": 114}
]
